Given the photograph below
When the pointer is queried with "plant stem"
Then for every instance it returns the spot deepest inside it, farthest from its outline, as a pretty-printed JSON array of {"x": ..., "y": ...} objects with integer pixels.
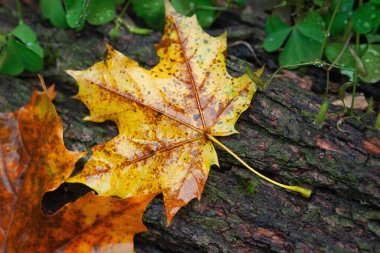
[
  {"x": 305, "y": 64},
  {"x": 355, "y": 81},
  {"x": 248, "y": 46},
  {"x": 118, "y": 20},
  {"x": 210, "y": 8},
  {"x": 327, "y": 82},
  {"x": 219, "y": 9},
  {"x": 327, "y": 34},
  {"x": 346, "y": 43},
  {"x": 314, "y": 63},
  {"x": 335, "y": 62},
  {"x": 303, "y": 191},
  {"x": 19, "y": 12},
  {"x": 125, "y": 7}
]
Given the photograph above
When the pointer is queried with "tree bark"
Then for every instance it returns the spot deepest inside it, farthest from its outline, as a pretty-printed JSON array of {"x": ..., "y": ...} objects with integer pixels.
[{"x": 238, "y": 212}]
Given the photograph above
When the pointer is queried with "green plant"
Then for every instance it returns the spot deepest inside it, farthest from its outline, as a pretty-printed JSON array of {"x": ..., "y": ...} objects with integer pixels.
[
  {"x": 306, "y": 39},
  {"x": 74, "y": 13},
  {"x": 114, "y": 33},
  {"x": 19, "y": 49},
  {"x": 304, "y": 42},
  {"x": 332, "y": 34},
  {"x": 320, "y": 117},
  {"x": 153, "y": 11},
  {"x": 377, "y": 121}
]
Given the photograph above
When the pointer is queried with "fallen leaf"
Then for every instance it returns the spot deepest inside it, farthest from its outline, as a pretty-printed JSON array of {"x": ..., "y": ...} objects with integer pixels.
[
  {"x": 360, "y": 101},
  {"x": 34, "y": 160},
  {"x": 166, "y": 116}
]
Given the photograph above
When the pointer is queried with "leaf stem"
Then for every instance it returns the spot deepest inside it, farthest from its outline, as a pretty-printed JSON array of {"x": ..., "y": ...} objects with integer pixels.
[
  {"x": 346, "y": 43},
  {"x": 219, "y": 9},
  {"x": 327, "y": 33},
  {"x": 118, "y": 20},
  {"x": 355, "y": 81},
  {"x": 336, "y": 62},
  {"x": 322, "y": 63},
  {"x": 125, "y": 7},
  {"x": 305, "y": 64},
  {"x": 210, "y": 8},
  {"x": 327, "y": 82},
  {"x": 306, "y": 193},
  {"x": 19, "y": 12}
]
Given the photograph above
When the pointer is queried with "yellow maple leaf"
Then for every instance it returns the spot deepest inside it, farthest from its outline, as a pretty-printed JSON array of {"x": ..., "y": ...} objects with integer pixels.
[{"x": 167, "y": 116}]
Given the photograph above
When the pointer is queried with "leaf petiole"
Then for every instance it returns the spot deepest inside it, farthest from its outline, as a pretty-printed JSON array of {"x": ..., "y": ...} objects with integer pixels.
[
  {"x": 19, "y": 12},
  {"x": 306, "y": 193},
  {"x": 327, "y": 34}
]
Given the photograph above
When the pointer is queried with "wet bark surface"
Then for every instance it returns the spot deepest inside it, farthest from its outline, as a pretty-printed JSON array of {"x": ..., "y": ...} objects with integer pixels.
[{"x": 238, "y": 212}]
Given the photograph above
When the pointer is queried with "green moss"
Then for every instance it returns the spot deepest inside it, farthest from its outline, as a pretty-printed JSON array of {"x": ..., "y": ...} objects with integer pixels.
[
  {"x": 366, "y": 215},
  {"x": 232, "y": 218},
  {"x": 310, "y": 157},
  {"x": 289, "y": 212},
  {"x": 362, "y": 245},
  {"x": 195, "y": 217},
  {"x": 352, "y": 178},
  {"x": 230, "y": 236},
  {"x": 215, "y": 223},
  {"x": 332, "y": 168},
  {"x": 312, "y": 213},
  {"x": 338, "y": 250},
  {"x": 280, "y": 153},
  {"x": 375, "y": 228},
  {"x": 283, "y": 226},
  {"x": 226, "y": 197},
  {"x": 248, "y": 186},
  {"x": 345, "y": 223}
]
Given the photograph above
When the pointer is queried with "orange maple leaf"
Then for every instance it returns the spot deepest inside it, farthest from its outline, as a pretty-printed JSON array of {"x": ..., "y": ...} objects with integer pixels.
[
  {"x": 167, "y": 116},
  {"x": 34, "y": 160}
]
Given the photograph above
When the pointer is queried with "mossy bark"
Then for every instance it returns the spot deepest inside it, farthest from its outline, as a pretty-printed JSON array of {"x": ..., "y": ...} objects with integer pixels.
[{"x": 238, "y": 212}]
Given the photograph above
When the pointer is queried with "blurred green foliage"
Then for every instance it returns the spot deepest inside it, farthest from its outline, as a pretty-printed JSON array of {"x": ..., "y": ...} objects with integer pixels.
[
  {"x": 309, "y": 35},
  {"x": 20, "y": 51},
  {"x": 74, "y": 13}
]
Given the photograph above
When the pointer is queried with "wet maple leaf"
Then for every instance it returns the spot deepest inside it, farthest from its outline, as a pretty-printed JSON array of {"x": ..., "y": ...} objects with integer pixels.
[
  {"x": 167, "y": 116},
  {"x": 33, "y": 160},
  {"x": 164, "y": 115}
]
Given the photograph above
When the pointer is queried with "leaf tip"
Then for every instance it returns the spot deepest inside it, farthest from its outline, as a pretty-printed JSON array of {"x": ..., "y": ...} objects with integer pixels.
[
  {"x": 80, "y": 154},
  {"x": 42, "y": 82},
  {"x": 260, "y": 71},
  {"x": 87, "y": 118},
  {"x": 51, "y": 92},
  {"x": 169, "y": 8},
  {"x": 234, "y": 131},
  {"x": 72, "y": 73}
]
